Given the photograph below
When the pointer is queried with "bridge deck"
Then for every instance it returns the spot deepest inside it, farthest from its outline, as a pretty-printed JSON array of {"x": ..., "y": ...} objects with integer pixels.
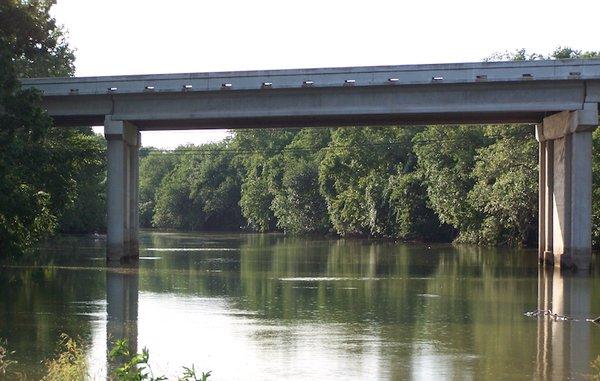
[{"x": 411, "y": 94}]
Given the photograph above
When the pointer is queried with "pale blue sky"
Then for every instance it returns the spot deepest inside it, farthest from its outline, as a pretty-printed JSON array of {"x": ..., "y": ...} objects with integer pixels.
[{"x": 148, "y": 36}]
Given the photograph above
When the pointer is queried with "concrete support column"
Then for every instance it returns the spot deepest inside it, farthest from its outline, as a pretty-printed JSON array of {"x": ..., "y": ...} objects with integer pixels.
[
  {"x": 122, "y": 188},
  {"x": 134, "y": 216},
  {"x": 565, "y": 214}
]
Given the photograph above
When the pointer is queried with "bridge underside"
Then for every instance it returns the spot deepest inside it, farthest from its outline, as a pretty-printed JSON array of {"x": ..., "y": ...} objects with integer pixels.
[{"x": 320, "y": 121}]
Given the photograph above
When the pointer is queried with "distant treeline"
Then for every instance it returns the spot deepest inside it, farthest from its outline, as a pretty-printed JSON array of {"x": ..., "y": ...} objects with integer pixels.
[{"x": 475, "y": 184}]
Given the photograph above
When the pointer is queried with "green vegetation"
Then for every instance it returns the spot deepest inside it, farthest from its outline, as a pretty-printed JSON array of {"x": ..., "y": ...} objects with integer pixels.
[
  {"x": 202, "y": 182},
  {"x": 595, "y": 365},
  {"x": 49, "y": 178},
  {"x": 71, "y": 363},
  {"x": 475, "y": 184},
  {"x": 135, "y": 366},
  {"x": 5, "y": 361}
]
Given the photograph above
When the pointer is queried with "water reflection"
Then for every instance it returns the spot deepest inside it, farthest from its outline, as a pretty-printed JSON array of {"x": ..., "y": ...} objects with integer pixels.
[
  {"x": 563, "y": 345},
  {"x": 270, "y": 306},
  {"x": 122, "y": 293}
]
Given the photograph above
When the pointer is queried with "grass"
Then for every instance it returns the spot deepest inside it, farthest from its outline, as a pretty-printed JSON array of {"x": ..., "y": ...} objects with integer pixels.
[
  {"x": 595, "y": 368},
  {"x": 5, "y": 361},
  {"x": 70, "y": 364}
]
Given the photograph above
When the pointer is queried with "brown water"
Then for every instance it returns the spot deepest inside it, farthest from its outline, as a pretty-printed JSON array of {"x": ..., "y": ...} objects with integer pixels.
[{"x": 273, "y": 307}]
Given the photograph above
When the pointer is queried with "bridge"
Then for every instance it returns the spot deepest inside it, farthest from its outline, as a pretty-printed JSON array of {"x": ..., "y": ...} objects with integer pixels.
[{"x": 560, "y": 96}]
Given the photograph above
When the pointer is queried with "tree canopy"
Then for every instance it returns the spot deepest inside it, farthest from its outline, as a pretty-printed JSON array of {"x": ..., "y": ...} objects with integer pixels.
[{"x": 45, "y": 173}]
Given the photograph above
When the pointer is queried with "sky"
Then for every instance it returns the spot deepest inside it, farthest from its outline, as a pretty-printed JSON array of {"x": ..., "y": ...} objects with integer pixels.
[{"x": 114, "y": 37}]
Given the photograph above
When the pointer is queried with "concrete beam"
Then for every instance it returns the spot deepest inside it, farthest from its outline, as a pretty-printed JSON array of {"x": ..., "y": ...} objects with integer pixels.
[
  {"x": 560, "y": 124},
  {"x": 499, "y": 92},
  {"x": 367, "y": 76},
  {"x": 593, "y": 92}
]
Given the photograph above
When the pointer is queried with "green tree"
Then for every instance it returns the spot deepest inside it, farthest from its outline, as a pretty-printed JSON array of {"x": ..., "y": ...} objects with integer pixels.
[
  {"x": 353, "y": 175},
  {"x": 298, "y": 205},
  {"x": 259, "y": 153},
  {"x": 86, "y": 156},
  {"x": 202, "y": 192},
  {"x": 412, "y": 218},
  {"x": 446, "y": 158},
  {"x": 32, "y": 181},
  {"x": 215, "y": 184},
  {"x": 175, "y": 208},
  {"x": 50, "y": 177},
  {"x": 563, "y": 52},
  {"x": 155, "y": 165},
  {"x": 37, "y": 46},
  {"x": 505, "y": 189}
]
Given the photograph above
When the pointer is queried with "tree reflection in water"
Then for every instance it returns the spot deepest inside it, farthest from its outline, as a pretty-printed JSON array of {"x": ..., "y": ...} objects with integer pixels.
[{"x": 305, "y": 307}]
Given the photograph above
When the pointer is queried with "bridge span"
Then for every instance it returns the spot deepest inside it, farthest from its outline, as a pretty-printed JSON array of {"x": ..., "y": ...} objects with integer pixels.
[{"x": 560, "y": 96}]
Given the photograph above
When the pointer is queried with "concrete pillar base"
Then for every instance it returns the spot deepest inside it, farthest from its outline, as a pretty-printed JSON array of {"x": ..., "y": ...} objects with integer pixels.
[
  {"x": 126, "y": 253},
  {"x": 548, "y": 258},
  {"x": 577, "y": 259}
]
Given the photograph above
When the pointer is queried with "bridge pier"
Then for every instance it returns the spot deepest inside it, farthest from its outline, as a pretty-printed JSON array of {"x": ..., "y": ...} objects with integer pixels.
[
  {"x": 565, "y": 187},
  {"x": 123, "y": 142}
]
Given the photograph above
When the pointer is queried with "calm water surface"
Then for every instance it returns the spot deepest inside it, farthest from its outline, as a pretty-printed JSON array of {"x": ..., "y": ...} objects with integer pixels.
[{"x": 274, "y": 307}]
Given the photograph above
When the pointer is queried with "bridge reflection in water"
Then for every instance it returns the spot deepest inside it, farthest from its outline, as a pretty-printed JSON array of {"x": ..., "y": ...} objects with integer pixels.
[
  {"x": 122, "y": 292},
  {"x": 563, "y": 345},
  {"x": 563, "y": 350}
]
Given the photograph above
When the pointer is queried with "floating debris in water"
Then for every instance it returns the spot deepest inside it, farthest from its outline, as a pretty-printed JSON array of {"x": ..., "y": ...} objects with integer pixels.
[{"x": 557, "y": 317}]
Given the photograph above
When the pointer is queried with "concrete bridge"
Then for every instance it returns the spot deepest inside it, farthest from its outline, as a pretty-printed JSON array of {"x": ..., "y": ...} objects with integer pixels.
[{"x": 560, "y": 97}]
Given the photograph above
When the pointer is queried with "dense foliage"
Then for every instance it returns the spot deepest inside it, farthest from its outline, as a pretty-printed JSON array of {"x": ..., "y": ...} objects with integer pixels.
[
  {"x": 475, "y": 184},
  {"x": 47, "y": 175},
  {"x": 204, "y": 184}
]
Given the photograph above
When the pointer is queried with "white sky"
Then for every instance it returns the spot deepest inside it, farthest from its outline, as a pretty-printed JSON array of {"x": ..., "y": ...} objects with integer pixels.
[{"x": 147, "y": 36}]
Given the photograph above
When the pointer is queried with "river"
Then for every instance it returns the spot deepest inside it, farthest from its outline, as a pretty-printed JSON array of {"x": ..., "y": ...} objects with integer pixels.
[{"x": 251, "y": 306}]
